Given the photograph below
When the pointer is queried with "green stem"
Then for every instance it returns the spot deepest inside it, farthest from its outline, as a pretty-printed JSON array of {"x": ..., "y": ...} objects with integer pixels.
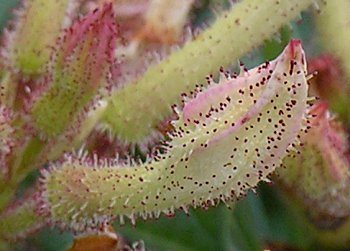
[
  {"x": 36, "y": 152},
  {"x": 24, "y": 162},
  {"x": 21, "y": 219}
]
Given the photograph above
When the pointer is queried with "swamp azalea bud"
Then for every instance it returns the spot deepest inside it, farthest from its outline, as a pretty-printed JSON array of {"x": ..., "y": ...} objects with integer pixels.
[
  {"x": 80, "y": 72},
  {"x": 320, "y": 174},
  {"x": 38, "y": 28},
  {"x": 165, "y": 20},
  {"x": 227, "y": 138}
]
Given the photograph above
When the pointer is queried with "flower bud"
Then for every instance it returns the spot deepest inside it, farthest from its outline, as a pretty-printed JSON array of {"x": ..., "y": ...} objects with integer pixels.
[
  {"x": 227, "y": 138},
  {"x": 38, "y": 28},
  {"x": 80, "y": 72},
  {"x": 320, "y": 174}
]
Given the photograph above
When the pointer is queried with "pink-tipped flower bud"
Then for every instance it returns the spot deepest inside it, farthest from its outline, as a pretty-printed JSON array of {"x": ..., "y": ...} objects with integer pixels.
[
  {"x": 320, "y": 174},
  {"x": 80, "y": 72}
]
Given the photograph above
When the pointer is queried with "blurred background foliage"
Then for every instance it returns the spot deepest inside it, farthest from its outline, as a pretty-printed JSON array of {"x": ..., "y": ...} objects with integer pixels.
[{"x": 266, "y": 219}]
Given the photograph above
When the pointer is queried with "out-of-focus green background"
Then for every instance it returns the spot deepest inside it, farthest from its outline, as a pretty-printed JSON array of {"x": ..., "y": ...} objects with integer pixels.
[{"x": 258, "y": 221}]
